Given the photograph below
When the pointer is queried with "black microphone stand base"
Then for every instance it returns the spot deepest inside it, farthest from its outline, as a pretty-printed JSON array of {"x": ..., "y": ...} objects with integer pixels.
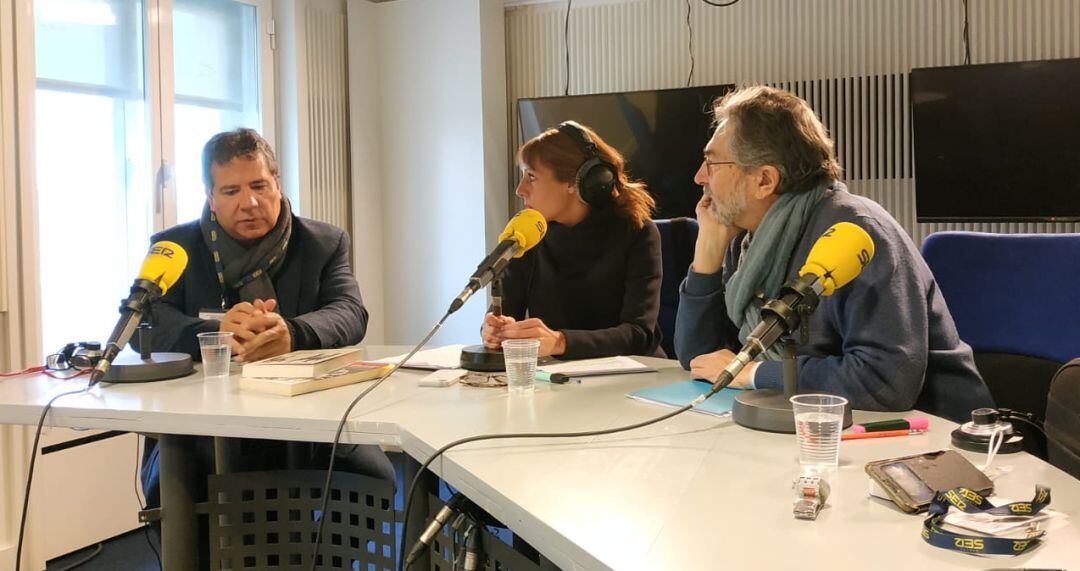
[
  {"x": 133, "y": 368},
  {"x": 480, "y": 358},
  {"x": 770, "y": 411}
]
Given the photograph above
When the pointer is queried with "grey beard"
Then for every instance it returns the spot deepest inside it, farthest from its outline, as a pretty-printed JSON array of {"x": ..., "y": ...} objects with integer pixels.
[{"x": 727, "y": 211}]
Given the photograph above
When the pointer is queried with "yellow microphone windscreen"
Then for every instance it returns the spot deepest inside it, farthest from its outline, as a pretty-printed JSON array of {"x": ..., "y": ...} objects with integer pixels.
[
  {"x": 526, "y": 228},
  {"x": 839, "y": 255},
  {"x": 164, "y": 264}
]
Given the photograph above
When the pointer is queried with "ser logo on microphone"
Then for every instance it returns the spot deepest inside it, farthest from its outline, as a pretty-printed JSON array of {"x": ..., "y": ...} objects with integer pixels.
[{"x": 162, "y": 251}]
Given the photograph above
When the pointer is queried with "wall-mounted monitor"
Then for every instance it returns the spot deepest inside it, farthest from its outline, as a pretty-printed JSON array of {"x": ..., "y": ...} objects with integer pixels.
[
  {"x": 660, "y": 133},
  {"x": 997, "y": 142}
]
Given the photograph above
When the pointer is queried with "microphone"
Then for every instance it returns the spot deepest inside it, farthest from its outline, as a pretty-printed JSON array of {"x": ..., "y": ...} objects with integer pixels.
[
  {"x": 162, "y": 267},
  {"x": 456, "y": 503},
  {"x": 522, "y": 233},
  {"x": 837, "y": 257}
]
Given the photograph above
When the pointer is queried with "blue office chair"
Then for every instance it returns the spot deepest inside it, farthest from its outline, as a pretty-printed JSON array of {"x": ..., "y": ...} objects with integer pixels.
[
  {"x": 1014, "y": 300},
  {"x": 677, "y": 238}
]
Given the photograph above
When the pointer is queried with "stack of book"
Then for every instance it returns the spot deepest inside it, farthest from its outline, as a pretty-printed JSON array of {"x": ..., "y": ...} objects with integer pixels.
[{"x": 302, "y": 372}]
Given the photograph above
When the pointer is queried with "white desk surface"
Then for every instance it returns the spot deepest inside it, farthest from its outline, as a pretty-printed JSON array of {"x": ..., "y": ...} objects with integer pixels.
[{"x": 692, "y": 492}]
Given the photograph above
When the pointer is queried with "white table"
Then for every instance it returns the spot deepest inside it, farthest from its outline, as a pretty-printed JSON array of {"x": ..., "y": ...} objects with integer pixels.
[{"x": 693, "y": 492}]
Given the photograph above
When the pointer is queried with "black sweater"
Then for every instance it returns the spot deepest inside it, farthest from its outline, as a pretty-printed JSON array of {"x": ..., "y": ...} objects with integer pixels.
[{"x": 598, "y": 282}]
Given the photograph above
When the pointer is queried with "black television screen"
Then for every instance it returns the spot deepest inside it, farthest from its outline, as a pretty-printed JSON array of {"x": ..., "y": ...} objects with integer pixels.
[
  {"x": 661, "y": 134},
  {"x": 997, "y": 142}
]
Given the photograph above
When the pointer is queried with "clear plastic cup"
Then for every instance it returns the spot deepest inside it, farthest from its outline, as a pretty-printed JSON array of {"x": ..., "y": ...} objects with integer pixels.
[
  {"x": 818, "y": 422},
  {"x": 520, "y": 358},
  {"x": 216, "y": 349}
]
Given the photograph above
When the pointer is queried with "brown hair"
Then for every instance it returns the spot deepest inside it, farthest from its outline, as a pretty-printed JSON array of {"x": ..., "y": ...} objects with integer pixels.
[
  {"x": 228, "y": 145},
  {"x": 774, "y": 127},
  {"x": 561, "y": 154}
]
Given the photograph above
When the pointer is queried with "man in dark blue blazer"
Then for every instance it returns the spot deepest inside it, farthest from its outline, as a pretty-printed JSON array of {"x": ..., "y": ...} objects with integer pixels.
[{"x": 277, "y": 281}]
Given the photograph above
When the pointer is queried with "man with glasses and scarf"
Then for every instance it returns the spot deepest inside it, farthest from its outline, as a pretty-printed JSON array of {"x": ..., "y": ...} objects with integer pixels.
[
  {"x": 886, "y": 341},
  {"x": 277, "y": 281}
]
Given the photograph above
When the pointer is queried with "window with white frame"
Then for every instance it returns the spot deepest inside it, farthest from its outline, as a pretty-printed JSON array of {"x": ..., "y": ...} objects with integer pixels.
[
  {"x": 217, "y": 85},
  {"x": 127, "y": 93}
]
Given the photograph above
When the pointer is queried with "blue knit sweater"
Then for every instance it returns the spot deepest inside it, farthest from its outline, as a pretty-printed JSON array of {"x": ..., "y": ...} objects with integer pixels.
[{"x": 886, "y": 341}]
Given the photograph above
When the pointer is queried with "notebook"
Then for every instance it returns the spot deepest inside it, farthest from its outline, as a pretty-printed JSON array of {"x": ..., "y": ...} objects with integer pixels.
[
  {"x": 595, "y": 367},
  {"x": 679, "y": 394},
  {"x": 448, "y": 357}
]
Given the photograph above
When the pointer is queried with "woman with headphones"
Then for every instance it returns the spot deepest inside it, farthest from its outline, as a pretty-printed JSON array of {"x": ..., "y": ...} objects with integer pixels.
[{"x": 591, "y": 288}]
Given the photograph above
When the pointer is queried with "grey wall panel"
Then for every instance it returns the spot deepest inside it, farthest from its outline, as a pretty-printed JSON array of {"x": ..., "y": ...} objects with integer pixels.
[{"x": 849, "y": 58}]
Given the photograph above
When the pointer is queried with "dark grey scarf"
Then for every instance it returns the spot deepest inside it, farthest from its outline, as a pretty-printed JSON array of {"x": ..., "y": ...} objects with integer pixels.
[
  {"x": 248, "y": 271},
  {"x": 765, "y": 258}
]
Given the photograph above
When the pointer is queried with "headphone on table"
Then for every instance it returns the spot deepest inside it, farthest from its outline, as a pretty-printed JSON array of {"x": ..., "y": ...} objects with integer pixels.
[
  {"x": 81, "y": 355},
  {"x": 595, "y": 177}
]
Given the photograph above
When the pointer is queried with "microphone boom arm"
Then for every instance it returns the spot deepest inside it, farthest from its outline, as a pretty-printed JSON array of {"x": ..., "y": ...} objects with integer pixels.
[
  {"x": 143, "y": 293},
  {"x": 490, "y": 268},
  {"x": 798, "y": 299}
]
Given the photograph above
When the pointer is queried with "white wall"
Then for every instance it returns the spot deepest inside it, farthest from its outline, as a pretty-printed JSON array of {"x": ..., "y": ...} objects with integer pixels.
[
  {"x": 365, "y": 132},
  {"x": 428, "y": 126},
  {"x": 294, "y": 157},
  {"x": 496, "y": 110}
]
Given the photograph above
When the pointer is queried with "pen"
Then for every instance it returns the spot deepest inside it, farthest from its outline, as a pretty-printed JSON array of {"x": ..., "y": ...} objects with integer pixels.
[
  {"x": 557, "y": 378},
  {"x": 908, "y": 423},
  {"x": 878, "y": 434}
]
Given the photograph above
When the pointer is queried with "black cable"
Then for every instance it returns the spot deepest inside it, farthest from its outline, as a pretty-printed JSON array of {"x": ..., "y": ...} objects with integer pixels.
[
  {"x": 967, "y": 37},
  {"x": 470, "y": 544},
  {"x": 30, "y": 472},
  {"x": 690, "y": 45},
  {"x": 566, "y": 41},
  {"x": 341, "y": 427},
  {"x": 441, "y": 451},
  {"x": 456, "y": 545},
  {"x": 721, "y": 4},
  {"x": 139, "y": 498},
  {"x": 84, "y": 560},
  {"x": 1025, "y": 418}
]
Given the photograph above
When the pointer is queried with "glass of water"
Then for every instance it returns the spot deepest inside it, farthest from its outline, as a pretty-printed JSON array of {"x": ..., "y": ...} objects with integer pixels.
[
  {"x": 216, "y": 348},
  {"x": 818, "y": 422},
  {"x": 520, "y": 358}
]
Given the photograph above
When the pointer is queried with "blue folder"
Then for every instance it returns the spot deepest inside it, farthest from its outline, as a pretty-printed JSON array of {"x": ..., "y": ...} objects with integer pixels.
[{"x": 679, "y": 394}]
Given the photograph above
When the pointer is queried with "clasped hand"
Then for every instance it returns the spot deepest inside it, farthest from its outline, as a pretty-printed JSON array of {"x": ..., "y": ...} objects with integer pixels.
[
  {"x": 258, "y": 332},
  {"x": 497, "y": 328}
]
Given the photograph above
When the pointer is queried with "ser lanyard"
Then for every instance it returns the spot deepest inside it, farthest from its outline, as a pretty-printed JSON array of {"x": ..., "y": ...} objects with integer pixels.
[
  {"x": 969, "y": 501},
  {"x": 219, "y": 266}
]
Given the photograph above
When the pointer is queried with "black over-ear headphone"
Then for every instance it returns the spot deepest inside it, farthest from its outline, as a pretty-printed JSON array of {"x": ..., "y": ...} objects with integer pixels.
[
  {"x": 80, "y": 355},
  {"x": 595, "y": 177}
]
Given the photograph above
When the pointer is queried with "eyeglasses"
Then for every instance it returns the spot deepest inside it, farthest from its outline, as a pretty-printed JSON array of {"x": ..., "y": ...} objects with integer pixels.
[
  {"x": 710, "y": 164},
  {"x": 484, "y": 380}
]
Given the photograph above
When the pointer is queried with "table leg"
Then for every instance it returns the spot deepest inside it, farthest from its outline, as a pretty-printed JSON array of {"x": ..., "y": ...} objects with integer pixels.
[
  {"x": 179, "y": 524},
  {"x": 226, "y": 455}
]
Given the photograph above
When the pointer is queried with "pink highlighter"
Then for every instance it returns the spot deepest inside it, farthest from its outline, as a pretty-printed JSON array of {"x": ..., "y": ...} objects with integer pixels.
[{"x": 908, "y": 423}]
